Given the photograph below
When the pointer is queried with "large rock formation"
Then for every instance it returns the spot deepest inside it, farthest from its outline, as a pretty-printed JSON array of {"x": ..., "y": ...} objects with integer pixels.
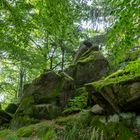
[
  {"x": 118, "y": 92},
  {"x": 47, "y": 96},
  {"x": 91, "y": 66},
  {"x": 44, "y": 98}
]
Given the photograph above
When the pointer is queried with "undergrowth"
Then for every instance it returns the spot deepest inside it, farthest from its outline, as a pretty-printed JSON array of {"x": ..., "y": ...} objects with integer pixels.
[{"x": 81, "y": 126}]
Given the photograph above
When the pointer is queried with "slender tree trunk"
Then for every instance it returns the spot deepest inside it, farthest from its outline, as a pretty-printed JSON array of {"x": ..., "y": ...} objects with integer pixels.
[
  {"x": 62, "y": 55},
  {"x": 63, "y": 58},
  {"x": 51, "y": 63},
  {"x": 51, "y": 57},
  {"x": 46, "y": 57},
  {"x": 20, "y": 85}
]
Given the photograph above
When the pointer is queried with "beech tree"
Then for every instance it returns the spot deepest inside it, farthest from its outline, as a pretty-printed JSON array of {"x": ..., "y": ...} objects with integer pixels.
[
  {"x": 124, "y": 33},
  {"x": 39, "y": 34}
]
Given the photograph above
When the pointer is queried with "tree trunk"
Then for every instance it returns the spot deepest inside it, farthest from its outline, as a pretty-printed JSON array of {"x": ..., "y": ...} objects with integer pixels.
[
  {"x": 52, "y": 56},
  {"x": 63, "y": 57},
  {"x": 20, "y": 85},
  {"x": 51, "y": 63}
]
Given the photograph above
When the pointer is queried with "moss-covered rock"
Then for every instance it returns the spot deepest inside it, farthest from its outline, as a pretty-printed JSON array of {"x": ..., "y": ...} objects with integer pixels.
[
  {"x": 97, "y": 110},
  {"x": 22, "y": 120},
  {"x": 4, "y": 117},
  {"x": 67, "y": 89},
  {"x": 11, "y": 108},
  {"x": 118, "y": 92},
  {"x": 46, "y": 111},
  {"x": 44, "y": 98},
  {"x": 90, "y": 66},
  {"x": 77, "y": 102}
]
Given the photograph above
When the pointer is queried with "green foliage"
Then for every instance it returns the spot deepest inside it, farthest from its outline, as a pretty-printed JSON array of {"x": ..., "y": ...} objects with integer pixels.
[
  {"x": 124, "y": 33},
  {"x": 33, "y": 35},
  {"x": 51, "y": 134},
  {"x": 82, "y": 126},
  {"x": 88, "y": 127},
  {"x": 38, "y": 130},
  {"x": 8, "y": 135},
  {"x": 78, "y": 102},
  {"x": 22, "y": 121},
  {"x": 25, "y": 132}
]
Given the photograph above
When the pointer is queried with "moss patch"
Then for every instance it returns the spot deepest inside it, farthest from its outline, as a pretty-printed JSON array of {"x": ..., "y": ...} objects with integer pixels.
[
  {"x": 78, "y": 102},
  {"x": 8, "y": 135},
  {"x": 89, "y": 56},
  {"x": 21, "y": 121}
]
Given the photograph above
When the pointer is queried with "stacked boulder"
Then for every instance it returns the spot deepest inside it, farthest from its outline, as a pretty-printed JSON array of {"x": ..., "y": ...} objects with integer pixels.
[
  {"x": 44, "y": 98},
  {"x": 48, "y": 95},
  {"x": 119, "y": 92}
]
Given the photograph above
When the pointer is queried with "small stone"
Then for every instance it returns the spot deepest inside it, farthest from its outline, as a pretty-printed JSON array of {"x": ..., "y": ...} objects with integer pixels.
[{"x": 98, "y": 110}]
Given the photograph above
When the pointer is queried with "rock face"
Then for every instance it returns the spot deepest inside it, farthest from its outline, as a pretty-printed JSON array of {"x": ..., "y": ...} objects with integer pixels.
[
  {"x": 7, "y": 114},
  {"x": 97, "y": 110},
  {"x": 4, "y": 117},
  {"x": 91, "y": 66},
  {"x": 44, "y": 98},
  {"x": 85, "y": 45},
  {"x": 47, "y": 96},
  {"x": 117, "y": 93},
  {"x": 11, "y": 108}
]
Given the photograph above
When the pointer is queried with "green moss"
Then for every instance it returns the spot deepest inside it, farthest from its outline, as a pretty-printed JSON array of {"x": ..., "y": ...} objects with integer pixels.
[
  {"x": 66, "y": 76},
  {"x": 78, "y": 102},
  {"x": 81, "y": 126},
  {"x": 117, "y": 74},
  {"x": 50, "y": 135},
  {"x": 81, "y": 91},
  {"x": 57, "y": 89},
  {"x": 89, "y": 56},
  {"x": 25, "y": 131},
  {"x": 66, "y": 120},
  {"x": 87, "y": 126},
  {"x": 21, "y": 121},
  {"x": 118, "y": 131},
  {"x": 8, "y": 135},
  {"x": 130, "y": 73},
  {"x": 132, "y": 55},
  {"x": 72, "y": 110},
  {"x": 40, "y": 130},
  {"x": 26, "y": 103},
  {"x": 86, "y": 60},
  {"x": 45, "y": 75}
]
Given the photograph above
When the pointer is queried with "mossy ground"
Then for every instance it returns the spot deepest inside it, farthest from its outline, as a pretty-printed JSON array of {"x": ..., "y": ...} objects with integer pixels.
[{"x": 81, "y": 126}]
